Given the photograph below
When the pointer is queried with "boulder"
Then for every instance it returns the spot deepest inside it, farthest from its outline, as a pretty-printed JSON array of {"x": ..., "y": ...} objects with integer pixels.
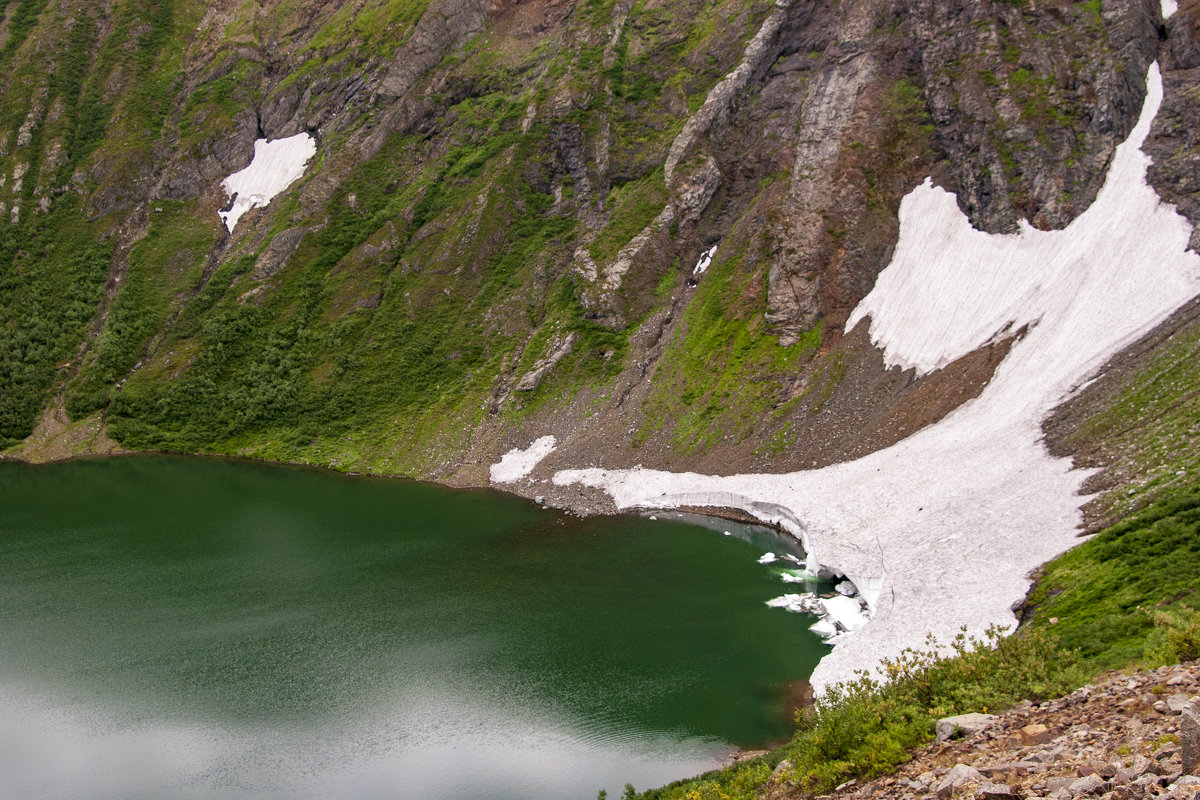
[
  {"x": 949, "y": 727},
  {"x": 1089, "y": 784},
  {"x": 1035, "y": 734},
  {"x": 1177, "y": 702},
  {"x": 954, "y": 780},
  {"x": 1189, "y": 735},
  {"x": 996, "y": 791}
]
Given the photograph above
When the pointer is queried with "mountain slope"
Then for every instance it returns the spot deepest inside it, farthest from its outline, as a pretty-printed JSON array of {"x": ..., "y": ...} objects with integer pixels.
[{"x": 498, "y": 236}]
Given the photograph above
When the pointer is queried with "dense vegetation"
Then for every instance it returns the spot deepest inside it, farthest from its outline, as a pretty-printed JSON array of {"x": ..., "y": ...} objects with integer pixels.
[
  {"x": 435, "y": 273},
  {"x": 1125, "y": 599}
]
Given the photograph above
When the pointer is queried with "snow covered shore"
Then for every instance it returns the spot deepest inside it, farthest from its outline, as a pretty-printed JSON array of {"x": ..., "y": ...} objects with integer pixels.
[
  {"x": 516, "y": 464},
  {"x": 941, "y": 529}
]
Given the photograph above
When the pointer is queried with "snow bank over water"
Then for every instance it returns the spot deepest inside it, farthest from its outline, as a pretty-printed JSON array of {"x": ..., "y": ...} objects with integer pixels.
[
  {"x": 941, "y": 529},
  {"x": 276, "y": 165},
  {"x": 516, "y": 464}
]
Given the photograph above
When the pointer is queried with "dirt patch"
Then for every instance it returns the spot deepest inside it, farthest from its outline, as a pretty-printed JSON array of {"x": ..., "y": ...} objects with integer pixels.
[{"x": 56, "y": 437}]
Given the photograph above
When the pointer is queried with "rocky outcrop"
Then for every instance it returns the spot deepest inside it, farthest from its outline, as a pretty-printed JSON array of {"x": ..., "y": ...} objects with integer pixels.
[
  {"x": 1018, "y": 106},
  {"x": 962, "y": 725}
]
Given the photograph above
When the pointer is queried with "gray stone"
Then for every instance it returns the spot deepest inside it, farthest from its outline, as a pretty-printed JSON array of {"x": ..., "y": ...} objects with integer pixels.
[
  {"x": 1147, "y": 780},
  {"x": 1141, "y": 765},
  {"x": 1166, "y": 751},
  {"x": 958, "y": 776},
  {"x": 559, "y": 349},
  {"x": 1177, "y": 702},
  {"x": 996, "y": 791},
  {"x": 1054, "y": 785},
  {"x": 1089, "y": 784},
  {"x": 1189, "y": 734},
  {"x": 948, "y": 727},
  {"x": 1019, "y": 767},
  {"x": 1045, "y": 755},
  {"x": 780, "y": 768}
]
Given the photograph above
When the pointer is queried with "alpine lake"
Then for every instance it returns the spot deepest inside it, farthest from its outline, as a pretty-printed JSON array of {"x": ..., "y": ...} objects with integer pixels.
[{"x": 207, "y": 628}]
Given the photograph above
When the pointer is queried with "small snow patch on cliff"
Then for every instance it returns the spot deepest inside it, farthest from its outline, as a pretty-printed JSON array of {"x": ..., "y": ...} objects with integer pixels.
[
  {"x": 276, "y": 165},
  {"x": 516, "y": 464}
]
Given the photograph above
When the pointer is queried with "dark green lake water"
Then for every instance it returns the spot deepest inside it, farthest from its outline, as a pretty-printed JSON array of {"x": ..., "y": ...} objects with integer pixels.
[{"x": 183, "y": 628}]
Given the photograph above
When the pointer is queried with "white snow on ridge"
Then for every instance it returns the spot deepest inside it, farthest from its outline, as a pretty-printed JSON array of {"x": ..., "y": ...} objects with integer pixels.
[
  {"x": 941, "y": 529},
  {"x": 1169, "y": 7},
  {"x": 516, "y": 464},
  {"x": 276, "y": 165}
]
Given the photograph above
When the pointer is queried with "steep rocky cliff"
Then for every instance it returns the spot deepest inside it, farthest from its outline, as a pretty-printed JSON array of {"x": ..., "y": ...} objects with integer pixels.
[{"x": 502, "y": 233}]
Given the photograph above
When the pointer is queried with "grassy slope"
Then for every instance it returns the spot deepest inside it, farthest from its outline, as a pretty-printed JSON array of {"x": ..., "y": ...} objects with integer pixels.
[{"x": 438, "y": 267}]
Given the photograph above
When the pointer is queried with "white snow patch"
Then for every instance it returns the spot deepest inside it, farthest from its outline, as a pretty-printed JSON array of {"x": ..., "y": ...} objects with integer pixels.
[
  {"x": 845, "y": 611},
  {"x": 941, "y": 529},
  {"x": 824, "y": 628},
  {"x": 1169, "y": 7},
  {"x": 768, "y": 558},
  {"x": 516, "y": 464},
  {"x": 276, "y": 165},
  {"x": 705, "y": 259},
  {"x": 806, "y": 603}
]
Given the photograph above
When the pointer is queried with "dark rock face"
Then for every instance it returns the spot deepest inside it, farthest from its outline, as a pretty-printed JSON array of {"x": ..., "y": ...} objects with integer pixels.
[
  {"x": 1030, "y": 102},
  {"x": 1015, "y": 107},
  {"x": 1174, "y": 143}
]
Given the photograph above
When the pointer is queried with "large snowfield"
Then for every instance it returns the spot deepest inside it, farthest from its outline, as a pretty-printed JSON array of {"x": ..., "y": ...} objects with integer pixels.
[{"x": 942, "y": 529}]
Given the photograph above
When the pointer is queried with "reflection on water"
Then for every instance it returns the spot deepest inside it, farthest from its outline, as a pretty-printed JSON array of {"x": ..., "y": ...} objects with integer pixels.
[{"x": 199, "y": 628}]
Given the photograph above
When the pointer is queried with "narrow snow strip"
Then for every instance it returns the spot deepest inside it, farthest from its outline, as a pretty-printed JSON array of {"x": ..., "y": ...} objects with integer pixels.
[
  {"x": 516, "y": 464},
  {"x": 276, "y": 166},
  {"x": 705, "y": 259},
  {"x": 1169, "y": 7},
  {"x": 941, "y": 529}
]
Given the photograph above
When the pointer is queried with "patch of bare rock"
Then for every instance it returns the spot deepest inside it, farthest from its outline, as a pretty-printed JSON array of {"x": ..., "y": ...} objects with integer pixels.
[{"x": 1126, "y": 737}]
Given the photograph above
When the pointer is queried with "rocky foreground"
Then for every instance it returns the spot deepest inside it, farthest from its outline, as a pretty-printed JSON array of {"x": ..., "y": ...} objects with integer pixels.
[{"x": 1126, "y": 737}]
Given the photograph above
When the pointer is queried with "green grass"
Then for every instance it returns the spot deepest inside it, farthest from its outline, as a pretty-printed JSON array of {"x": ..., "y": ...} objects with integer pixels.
[
  {"x": 1149, "y": 429},
  {"x": 631, "y": 206},
  {"x": 1117, "y": 597},
  {"x": 723, "y": 374}
]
